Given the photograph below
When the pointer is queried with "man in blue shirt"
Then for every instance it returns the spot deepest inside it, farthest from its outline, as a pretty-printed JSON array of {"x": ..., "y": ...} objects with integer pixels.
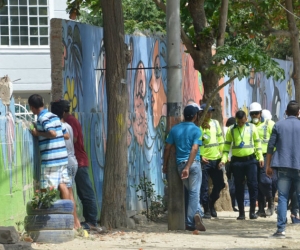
[
  {"x": 286, "y": 159},
  {"x": 185, "y": 137}
]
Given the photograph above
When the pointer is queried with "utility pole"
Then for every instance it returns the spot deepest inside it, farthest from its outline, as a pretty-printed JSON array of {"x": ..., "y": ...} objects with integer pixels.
[{"x": 176, "y": 213}]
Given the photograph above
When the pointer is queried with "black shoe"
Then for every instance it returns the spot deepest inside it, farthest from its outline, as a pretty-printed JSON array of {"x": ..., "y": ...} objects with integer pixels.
[
  {"x": 199, "y": 223},
  {"x": 212, "y": 209},
  {"x": 278, "y": 235},
  {"x": 188, "y": 228},
  {"x": 241, "y": 216},
  {"x": 235, "y": 209},
  {"x": 207, "y": 215},
  {"x": 270, "y": 209},
  {"x": 252, "y": 216},
  {"x": 213, "y": 212},
  {"x": 261, "y": 214}
]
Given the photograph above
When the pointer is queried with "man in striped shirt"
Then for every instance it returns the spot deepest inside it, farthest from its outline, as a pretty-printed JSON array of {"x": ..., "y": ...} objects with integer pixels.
[{"x": 54, "y": 156}]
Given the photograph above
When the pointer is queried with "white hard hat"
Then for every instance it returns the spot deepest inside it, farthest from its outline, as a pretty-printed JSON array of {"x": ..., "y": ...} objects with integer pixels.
[
  {"x": 266, "y": 114},
  {"x": 255, "y": 106}
]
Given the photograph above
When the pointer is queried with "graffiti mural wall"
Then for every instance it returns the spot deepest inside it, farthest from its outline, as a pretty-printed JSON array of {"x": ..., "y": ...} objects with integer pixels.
[
  {"x": 84, "y": 85},
  {"x": 18, "y": 166},
  {"x": 272, "y": 95}
]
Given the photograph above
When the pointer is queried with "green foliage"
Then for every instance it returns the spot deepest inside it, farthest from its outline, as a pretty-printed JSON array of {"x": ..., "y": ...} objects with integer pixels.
[
  {"x": 138, "y": 15},
  {"x": 239, "y": 61},
  {"x": 44, "y": 199},
  {"x": 148, "y": 195}
]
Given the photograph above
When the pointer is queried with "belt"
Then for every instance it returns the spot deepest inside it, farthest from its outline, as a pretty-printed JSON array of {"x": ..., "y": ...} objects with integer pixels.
[
  {"x": 243, "y": 158},
  {"x": 187, "y": 161}
]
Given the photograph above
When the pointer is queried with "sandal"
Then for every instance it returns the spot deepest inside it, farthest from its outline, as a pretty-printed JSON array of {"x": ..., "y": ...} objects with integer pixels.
[{"x": 90, "y": 227}]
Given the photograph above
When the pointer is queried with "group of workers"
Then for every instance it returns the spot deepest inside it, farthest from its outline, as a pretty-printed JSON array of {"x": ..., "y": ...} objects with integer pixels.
[{"x": 244, "y": 151}]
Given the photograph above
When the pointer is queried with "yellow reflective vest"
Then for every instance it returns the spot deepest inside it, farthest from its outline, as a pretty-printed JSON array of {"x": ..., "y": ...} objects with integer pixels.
[
  {"x": 264, "y": 128},
  {"x": 212, "y": 141},
  {"x": 247, "y": 134}
]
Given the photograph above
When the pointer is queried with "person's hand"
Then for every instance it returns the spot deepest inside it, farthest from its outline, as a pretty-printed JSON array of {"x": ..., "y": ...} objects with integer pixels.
[
  {"x": 34, "y": 132},
  {"x": 204, "y": 160},
  {"x": 221, "y": 164},
  {"x": 269, "y": 171},
  {"x": 165, "y": 169},
  {"x": 185, "y": 174},
  {"x": 261, "y": 164}
]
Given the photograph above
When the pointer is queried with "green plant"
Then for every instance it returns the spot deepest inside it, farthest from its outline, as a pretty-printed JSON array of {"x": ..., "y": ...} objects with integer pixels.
[
  {"x": 19, "y": 224},
  {"x": 154, "y": 203},
  {"x": 44, "y": 198}
]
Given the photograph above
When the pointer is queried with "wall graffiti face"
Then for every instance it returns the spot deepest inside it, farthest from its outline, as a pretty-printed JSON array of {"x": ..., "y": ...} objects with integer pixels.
[
  {"x": 84, "y": 62},
  {"x": 272, "y": 95}
]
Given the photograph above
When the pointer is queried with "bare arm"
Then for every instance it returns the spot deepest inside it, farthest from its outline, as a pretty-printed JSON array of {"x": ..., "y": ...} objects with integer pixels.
[
  {"x": 66, "y": 136},
  {"x": 48, "y": 134}
]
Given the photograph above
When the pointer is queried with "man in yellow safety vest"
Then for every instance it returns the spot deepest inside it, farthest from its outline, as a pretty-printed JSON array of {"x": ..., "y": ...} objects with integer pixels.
[
  {"x": 211, "y": 153},
  {"x": 265, "y": 184},
  {"x": 244, "y": 141}
]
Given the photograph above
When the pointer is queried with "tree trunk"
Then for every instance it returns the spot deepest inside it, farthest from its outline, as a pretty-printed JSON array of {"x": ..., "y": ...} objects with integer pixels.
[
  {"x": 295, "y": 47},
  {"x": 113, "y": 214}
]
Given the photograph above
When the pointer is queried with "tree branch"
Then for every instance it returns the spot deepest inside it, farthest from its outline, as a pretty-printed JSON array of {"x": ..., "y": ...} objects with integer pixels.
[
  {"x": 161, "y": 5},
  {"x": 212, "y": 96},
  {"x": 222, "y": 23}
]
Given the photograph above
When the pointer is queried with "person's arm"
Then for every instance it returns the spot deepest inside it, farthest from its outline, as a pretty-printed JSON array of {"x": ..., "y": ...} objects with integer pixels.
[
  {"x": 65, "y": 132},
  {"x": 270, "y": 150},
  {"x": 193, "y": 153},
  {"x": 257, "y": 146},
  {"x": 48, "y": 134},
  {"x": 220, "y": 138},
  {"x": 226, "y": 148}
]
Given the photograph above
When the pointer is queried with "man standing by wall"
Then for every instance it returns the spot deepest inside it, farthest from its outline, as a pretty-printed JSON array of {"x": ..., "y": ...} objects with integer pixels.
[
  {"x": 83, "y": 183},
  {"x": 244, "y": 141},
  {"x": 211, "y": 152},
  {"x": 186, "y": 138},
  {"x": 286, "y": 159},
  {"x": 52, "y": 146},
  {"x": 265, "y": 184}
]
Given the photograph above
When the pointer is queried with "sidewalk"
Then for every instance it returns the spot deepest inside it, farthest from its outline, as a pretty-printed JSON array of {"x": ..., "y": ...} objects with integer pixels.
[{"x": 222, "y": 233}]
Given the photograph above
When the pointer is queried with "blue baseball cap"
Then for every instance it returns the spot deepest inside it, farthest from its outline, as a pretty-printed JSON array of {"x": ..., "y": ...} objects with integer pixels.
[{"x": 203, "y": 106}]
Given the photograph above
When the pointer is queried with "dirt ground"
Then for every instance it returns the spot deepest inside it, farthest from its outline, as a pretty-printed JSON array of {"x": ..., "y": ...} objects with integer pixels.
[{"x": 225, "y": 232}]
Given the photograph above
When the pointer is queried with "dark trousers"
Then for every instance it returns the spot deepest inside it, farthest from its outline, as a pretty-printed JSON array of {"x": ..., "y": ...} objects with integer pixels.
[
  {"x": 211, "y": 170},
  {"x": 267, "y": 186},
  {"x": 86, "y": 195},
  {"x": 241, "y": 170}
]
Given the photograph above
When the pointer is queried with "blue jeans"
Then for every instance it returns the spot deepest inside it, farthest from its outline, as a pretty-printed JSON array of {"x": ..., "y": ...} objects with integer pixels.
[
  {"x": 211, "y": 169},
  {"x": 286, "y": 178},
  {"x": 241, "y": 170},
  {"x": 192, "y": 185},
  {"x": 86, "y": 195}
]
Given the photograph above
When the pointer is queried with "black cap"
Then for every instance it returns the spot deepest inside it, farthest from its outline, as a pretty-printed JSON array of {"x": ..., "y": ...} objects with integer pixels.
[{"x": 189, "y": 112}]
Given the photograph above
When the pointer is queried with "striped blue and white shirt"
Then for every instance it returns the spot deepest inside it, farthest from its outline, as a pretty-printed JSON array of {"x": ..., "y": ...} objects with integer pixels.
[{"x": 53, "y": 150}]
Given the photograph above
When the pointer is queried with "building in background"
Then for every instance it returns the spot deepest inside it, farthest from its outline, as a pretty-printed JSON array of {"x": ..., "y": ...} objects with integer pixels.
[{"x": 25, "y": 45}]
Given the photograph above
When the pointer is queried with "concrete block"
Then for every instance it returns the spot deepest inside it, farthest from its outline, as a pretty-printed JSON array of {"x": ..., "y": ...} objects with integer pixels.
[
  {"x": 2, "y": 247},
  {"x": 18, "y": 246},
  {"x": 8, "y": 235}
]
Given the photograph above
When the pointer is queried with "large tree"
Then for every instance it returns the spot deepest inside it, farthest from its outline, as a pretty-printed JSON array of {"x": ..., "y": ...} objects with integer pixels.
[{"x": 113, "y": 213}]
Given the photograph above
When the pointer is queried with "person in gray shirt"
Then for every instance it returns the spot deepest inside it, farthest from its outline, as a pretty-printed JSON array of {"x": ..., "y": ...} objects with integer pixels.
[{"x": 285, "y": 138}]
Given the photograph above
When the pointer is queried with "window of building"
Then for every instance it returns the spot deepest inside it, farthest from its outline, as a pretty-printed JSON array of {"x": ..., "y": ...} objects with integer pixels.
[{"x": 24, "y": 22}]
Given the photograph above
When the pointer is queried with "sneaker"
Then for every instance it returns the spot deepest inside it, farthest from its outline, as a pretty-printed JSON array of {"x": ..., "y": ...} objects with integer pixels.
[
  {"x": 278, "y": 235},
  {"x": 199, "y": 223}
]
